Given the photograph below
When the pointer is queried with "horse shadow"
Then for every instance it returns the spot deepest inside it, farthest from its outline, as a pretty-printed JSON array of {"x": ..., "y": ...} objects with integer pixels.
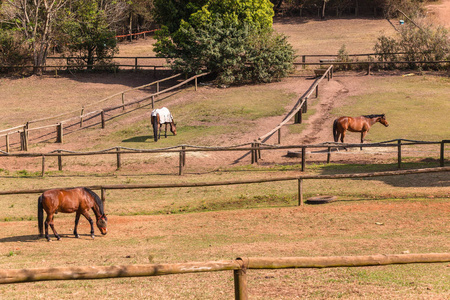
[
  {"x": 31, "y": 238},
  {"x": 138, "y": 139}
]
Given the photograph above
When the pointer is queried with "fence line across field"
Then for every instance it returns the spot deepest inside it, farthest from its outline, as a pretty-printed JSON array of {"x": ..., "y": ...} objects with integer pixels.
[
  {"x": 239, "y": 266},
  {"x": 254, "y": 149},
  {"x": 299, "y": 178}
]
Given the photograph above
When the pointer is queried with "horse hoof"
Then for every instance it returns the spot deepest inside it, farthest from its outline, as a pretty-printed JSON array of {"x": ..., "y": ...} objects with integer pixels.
[
  {"x": 92, "y": 236},
  {"x": 49, "y": 240}
]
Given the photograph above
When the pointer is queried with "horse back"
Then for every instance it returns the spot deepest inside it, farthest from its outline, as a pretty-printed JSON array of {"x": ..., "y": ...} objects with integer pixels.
[{"x": 65, "y": 200}]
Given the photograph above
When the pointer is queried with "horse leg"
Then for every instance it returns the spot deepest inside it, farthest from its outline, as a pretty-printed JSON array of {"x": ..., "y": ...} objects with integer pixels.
[
  {"x": 77, "y": 219},
  {"x": 88, "y": 217},
  {"x": 363, "y": 135},
  {"x": 49, "y": 221},
  {"x": 342, "y": 139},
  {"x": 165, "y": 130}
]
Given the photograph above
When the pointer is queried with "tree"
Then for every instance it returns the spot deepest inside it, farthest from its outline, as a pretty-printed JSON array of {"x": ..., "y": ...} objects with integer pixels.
[
  {"x": 231, "y": 39},
  {"x": 87, "y": 31},
  {"x": 35, "y": 21},
  {"x": 170, "y": 13}
]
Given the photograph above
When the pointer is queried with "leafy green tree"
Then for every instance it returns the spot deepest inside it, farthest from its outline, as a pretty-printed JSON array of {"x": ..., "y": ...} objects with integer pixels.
[
  {"x": 231, "y": 39},
  {"x": 87, "y": 32},
  {"x": 170, "y": 13}
]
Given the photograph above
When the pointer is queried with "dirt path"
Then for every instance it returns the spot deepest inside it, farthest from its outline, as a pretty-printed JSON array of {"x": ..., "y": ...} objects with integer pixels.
[{"x": 440, "y": 13}]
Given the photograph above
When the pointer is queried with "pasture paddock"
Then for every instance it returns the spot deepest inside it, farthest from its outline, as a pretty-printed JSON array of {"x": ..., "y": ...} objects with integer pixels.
[{"x": 403, "y": 215}]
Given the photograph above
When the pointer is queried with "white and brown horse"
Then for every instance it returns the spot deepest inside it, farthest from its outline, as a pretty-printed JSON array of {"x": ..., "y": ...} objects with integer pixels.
[{"x": 160, "y": 117}]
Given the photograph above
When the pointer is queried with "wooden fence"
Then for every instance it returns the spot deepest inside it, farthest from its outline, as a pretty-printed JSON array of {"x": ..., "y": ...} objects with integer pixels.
[
  {"x": 239, "y": 266},
  {"x": 300, "y": 179},
  {"x": 83, "y": 116},
  {"x": 254, "y": 149}
]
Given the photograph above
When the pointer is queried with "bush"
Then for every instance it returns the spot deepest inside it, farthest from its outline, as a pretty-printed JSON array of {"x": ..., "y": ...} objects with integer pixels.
[
  {"x": 12, "y": 51},
  {"x": 424, "y": 43}
]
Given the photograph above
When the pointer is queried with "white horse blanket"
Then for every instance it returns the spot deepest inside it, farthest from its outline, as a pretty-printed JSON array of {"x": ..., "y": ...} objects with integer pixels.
[{"x": 164, "y": 115}]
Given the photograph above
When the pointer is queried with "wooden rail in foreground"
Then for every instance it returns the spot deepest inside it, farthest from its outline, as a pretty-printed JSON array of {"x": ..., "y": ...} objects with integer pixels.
[
  {"x": 239, "y": 266},
  {"x": 299, "y": 179}
]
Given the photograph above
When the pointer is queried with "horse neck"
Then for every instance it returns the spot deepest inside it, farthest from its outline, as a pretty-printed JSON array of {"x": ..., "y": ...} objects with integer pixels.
[{"x": 373, "y": 120}]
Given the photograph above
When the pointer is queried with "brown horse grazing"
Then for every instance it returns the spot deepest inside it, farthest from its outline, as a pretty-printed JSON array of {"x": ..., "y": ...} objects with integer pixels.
[
  {"x": 78, "y": 200},
  {"x": 359, "y": 124},
  {"x": 160, "y": 117}
]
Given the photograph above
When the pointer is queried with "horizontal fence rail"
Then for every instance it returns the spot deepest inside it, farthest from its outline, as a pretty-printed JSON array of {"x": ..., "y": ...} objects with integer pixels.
[
  {"x": 255, "y": 149},
  {"x": 239, "y": 266},
  {"x": 300, "y": 179}
]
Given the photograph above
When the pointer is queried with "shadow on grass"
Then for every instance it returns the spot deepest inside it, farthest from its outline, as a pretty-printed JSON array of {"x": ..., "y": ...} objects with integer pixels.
[
  {"x": 138, "y": 139},
  {"x": 441, "y": 179},
  {"x": 35, "y": 237}
]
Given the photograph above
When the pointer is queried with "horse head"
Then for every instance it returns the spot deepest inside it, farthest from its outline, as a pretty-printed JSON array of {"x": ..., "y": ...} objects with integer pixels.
[
  {"x": 173, "y": 128},
  {"x": 101, "y": 224},
  {"x": 382, "y": 120}
]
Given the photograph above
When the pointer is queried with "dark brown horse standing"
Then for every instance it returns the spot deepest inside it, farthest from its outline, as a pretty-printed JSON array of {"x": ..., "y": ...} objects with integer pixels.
[
  {"x": 76, "y": 200},
  {"x": 159, "y": 117},
  {"x": 359, "y": 124}
]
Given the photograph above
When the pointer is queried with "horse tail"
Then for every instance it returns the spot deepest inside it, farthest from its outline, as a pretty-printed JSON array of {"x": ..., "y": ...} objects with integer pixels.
[
  {"x": 335, "y": 131},
  {"x": 155, "y": 127},
  {"x": 40, "y": 216}
]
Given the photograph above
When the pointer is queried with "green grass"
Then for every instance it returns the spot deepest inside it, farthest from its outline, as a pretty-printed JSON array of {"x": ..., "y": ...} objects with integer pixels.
[{"x": 416, "y": 107}]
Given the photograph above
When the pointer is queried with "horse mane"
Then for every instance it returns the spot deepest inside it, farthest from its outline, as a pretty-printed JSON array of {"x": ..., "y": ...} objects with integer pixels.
[
  {"x": 97, "y": 200},
  {"x": 373, "y": 116}
]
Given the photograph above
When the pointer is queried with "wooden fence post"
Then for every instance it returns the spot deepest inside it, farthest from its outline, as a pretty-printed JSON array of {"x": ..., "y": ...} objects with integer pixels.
[
  {"x": 7, "y": 142},
  {"x": 119, "y": 162},
  {"x": 59, "y": 133},
  {"x": 441, "y": 158},
  {"x": 195, "y": 82},
  {"x": 303, "y": 158},
  {"x": 300, "y": 192},
  {"x": 305, "y": 106},
  {"x": 157, "y": 87},
  {"x": 304, "y": 61},
  {"x": 81, "y": 117},
  {"x": 153, "y": 102},
  {"x": 252, "y": 153},
  {"x": 317, "y": 91},
  {"x": 103, "y": 195},
  {"x": 181, "y": 160},
  {"x": 123, "y": 101},
  {"x": 279, "y": 136},
  {"x": 135, "y": 64},
  {"x": 240, "y": 282},
  {"x": 328, "y": 155},
  {"x": 60, "y": 166},
  {"x": 43, "y": 166},
  {"x": 102, "y": 115},
  {"x": 399, "y": 154},
  {"x": 298, "y": 117}
]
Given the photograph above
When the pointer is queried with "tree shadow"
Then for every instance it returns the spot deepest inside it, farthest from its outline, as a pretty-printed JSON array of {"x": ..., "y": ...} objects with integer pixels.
[{"x": 437, "y": 179}]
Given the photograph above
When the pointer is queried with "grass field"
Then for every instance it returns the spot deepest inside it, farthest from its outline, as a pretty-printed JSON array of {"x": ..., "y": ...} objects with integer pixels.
[{"x": 387, "y": 215}]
